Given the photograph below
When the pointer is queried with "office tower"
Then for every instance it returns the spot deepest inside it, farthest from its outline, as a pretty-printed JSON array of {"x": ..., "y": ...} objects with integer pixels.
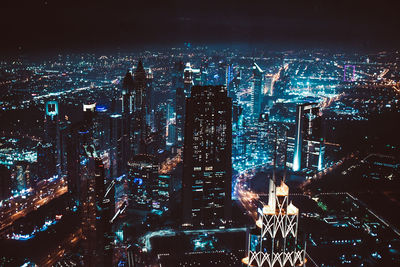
[
  {"x": 251, "y": 143},
  {"x": 143, "y": 177},
  {"x": 141, "y": 109},
  {"x": 52, "y": 136},
  {"x": 151, "y": 100},
  {"x": 232, "y": 82},
  {"x": 269, "y": 84},
  {"x": 116, "y": 145},
  {"x": 207, "y": 170},
  {"x": 229, "y": 76},
  {"x": 63, "y": 144},
  {"x": 262, "y": 142},
  {"x": 127, "y": 114},
  {"x": 166, "y": 123},
  {"x": 78, "y": 135},
  {"x": 278, "y": 142},
  {"x": 257, "y": 92},
  {"x": 46, "y": 161},
  {"x": 187, "y": 79},
  {"x": 97, "y": 209},
  {"x": 73, "y": 165},
  {"x": 127, "y": 93},
  {"x": 101, "y": 128},
  {"x": 274, "y": 241},
  {"x": 161, "y": 192},
  {"x": 177, "y": 75},
  {"x": 309, "y": 142},
  {"x": 238, "y": 140},
  {"x": 180, "y": 116}
]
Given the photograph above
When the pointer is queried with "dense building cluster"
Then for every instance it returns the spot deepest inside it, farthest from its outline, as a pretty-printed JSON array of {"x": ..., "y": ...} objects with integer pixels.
[{"x": 164, "y": 157}]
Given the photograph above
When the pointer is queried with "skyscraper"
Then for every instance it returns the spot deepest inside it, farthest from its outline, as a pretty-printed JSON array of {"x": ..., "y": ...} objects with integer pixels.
[
  {"x": 257, "y": 92},
  {"x": 97, "y": 209},
  {"x": 177, "y": 75},
  {"x": 232, "y": 82},
  {"x": 127, "y": 110},
  {"x": 116, "y": 145},
  {"x": 141, "y": 108},
  {"x": 52, "y": 137},
  {"x": 207, "y": 170},
  {"x": 188, "y": 78},
  {"x": 180, "y": 116},
  {"x": 143, "y": 176},
  {"x": 309, "y": 142},
  {"x": 274, "y": 241}
]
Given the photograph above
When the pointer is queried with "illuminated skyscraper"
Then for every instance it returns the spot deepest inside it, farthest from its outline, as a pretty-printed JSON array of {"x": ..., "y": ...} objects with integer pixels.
[
  {"x": 309, "y": 142},
  {"x": 116, "y": 145},
  {"x": 257, "y": 92},
  {"x": 180, "y": 116},
  {"x": 127, "y": 93},
  {"x": 269, "y": 84},
  {"x": 207, "y": 170},
  {"x": 143, "y": 176},
  {"x": 274, "y": 241},
  {"x": 188, "y": 79},
  {"x": 52, "y": 136},
  {"x": 127, "y": 113},
  {"x": 232, "y": 82}
]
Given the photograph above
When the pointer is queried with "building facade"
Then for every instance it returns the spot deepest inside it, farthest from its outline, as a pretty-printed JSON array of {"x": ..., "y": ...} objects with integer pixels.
[{"x": 207, "y": 170}]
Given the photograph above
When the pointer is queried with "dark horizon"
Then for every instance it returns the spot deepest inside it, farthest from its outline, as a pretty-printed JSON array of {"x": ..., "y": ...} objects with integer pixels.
[{"x": 43, "y": 26}]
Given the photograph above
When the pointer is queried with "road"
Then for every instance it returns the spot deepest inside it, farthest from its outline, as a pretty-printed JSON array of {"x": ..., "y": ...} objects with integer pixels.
[{"x": 16, "y": 208}]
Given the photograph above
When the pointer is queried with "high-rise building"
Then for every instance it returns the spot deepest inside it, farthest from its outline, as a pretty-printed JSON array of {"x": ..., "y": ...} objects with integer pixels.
[
  {"x": 257, "y": 92},
  {"x": 187, "y": 79},
  {"x": 141, "y": 108},
  {"x": 309, "y": 142},
  {"x": 177, "y": 75},
  {"x": 207, "y": 171},
  {"x": 98, "y": 208},
  {"x": 180, "y": 116},
  {"x": 143, "y": 177},
  {"x": 116, "y": 145},
  {"x": 274, "y": 241},
  {"x": 269, "y": 84},
  {"x": 232, "y": 82},
  {"x": 137, "y": 110},
  {"x": 52, "y": 135},
  {"x": 127, "y": 116}
]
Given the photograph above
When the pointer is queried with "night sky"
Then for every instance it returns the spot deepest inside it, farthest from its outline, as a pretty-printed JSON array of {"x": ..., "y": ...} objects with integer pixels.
[{"x": 29, "y": 26}]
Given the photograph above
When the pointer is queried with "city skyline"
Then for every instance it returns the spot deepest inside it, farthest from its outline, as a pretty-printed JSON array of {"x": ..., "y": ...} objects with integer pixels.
[{"x": 178, "y": 133}]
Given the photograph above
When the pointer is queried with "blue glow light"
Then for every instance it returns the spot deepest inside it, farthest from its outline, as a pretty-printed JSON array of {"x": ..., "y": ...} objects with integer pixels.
[
  {"x": 138, "y": 181},
  {"x": 101, "y": 108}
]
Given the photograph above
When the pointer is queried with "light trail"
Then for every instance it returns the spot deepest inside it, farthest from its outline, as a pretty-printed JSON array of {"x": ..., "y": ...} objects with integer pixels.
[
  {"x": 246, "y": 197},
  {"x": 11, "y": 211}
]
